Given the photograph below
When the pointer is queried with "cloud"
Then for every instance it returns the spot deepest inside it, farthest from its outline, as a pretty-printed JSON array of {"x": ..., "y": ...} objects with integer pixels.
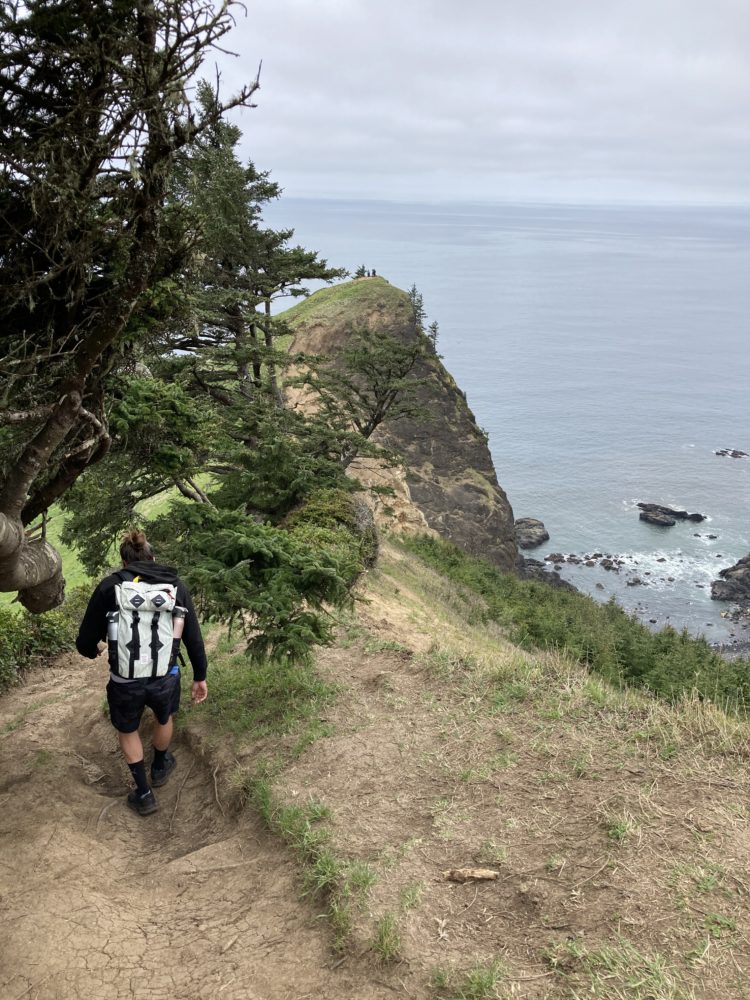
[{"x": 497, "y": 99}]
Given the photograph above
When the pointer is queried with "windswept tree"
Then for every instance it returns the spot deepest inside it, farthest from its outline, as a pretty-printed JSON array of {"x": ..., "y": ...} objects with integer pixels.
[
  {"x": 241, "y": 268},
  {"x": 94, "y": 110},
  {"x": 374, "y": 378}
]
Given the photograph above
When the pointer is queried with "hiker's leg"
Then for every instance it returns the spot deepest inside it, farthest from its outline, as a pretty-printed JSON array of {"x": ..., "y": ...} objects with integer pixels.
[
  {"x": 161, "y": 735},
  {"x": 131, "y": 746},
  {"x": 163, "y": 698},
  {"x": 126, "y": 703}
]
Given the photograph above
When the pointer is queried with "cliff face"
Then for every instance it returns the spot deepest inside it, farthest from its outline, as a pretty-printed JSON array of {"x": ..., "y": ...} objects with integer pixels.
[{"x": 448, "y": 483}]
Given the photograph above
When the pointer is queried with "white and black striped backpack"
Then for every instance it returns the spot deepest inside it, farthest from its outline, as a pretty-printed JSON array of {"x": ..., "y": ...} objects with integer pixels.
[{"x": 140, "y": 633}]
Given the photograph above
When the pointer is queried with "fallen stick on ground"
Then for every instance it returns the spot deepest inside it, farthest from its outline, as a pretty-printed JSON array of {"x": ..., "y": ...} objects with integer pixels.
[{"x": 471, "y": 875}]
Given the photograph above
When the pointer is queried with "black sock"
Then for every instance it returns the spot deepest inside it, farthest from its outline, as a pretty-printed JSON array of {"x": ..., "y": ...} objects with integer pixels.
[
  {"x": 139, "y": 777},
  {"x": 159, "y": 756}
]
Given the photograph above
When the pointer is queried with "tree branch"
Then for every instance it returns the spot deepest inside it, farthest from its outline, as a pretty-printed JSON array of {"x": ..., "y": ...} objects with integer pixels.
[
  {"x": 14, "y": 417},
  {"x": 35, "y": 456},
  {"x": 191, "y": 494}
]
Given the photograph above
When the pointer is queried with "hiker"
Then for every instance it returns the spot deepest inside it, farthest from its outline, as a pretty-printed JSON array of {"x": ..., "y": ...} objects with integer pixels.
[{"x": 142, "y": 611}]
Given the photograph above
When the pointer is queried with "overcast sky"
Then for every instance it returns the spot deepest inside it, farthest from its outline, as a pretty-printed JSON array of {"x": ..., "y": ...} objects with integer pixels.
[{"x": 534, "y": 100}]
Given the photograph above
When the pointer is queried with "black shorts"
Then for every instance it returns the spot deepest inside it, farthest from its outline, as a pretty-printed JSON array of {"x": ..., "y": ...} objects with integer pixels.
[{"x": 127, "y": 701}]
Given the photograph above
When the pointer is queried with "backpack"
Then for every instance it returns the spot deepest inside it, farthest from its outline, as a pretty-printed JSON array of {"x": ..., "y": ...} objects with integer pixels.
[{"x": 140, "y": 633}]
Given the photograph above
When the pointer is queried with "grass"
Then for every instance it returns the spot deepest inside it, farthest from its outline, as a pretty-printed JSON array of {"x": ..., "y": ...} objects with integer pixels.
[
  {"x": 479, "y": 983},
  {"x": 411, "y": 896},
  {"x": 500, "y": 762},
  {"x": 28, "y": 640},
  {"x": 620, "y": 827},
  {"x": 345, "y": 299},
  {"x": 491, "y": 854},
  {"x": 22, "y": 716},
  {"x": 616, "y": 971},
  {"x": 343, "y": 885},
  {"x": 386, "y": 941},
  {"x": 719, "y": 926},
  {"x": 488, "y": 716},
  {"x": 262, "y": 699}
]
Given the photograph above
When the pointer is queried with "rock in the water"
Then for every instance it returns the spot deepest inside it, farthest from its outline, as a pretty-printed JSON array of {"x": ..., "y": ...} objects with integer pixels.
[
  {"x": 530, "y": 532},
  {"x": 666, "y": 516},
  {"x": 731, "y": 453},
  {"x": 533, "y": 569},
  {"x": 660, "y": 520},
  {"x": 734, "y": 584}
]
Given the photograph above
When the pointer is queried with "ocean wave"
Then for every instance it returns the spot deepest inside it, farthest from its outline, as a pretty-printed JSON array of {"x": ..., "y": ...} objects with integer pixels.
[{"x": 657, "y": 567}]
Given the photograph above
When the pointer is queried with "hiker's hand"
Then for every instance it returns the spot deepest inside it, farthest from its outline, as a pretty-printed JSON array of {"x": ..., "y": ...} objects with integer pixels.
[{"x": 199, "y": 692}]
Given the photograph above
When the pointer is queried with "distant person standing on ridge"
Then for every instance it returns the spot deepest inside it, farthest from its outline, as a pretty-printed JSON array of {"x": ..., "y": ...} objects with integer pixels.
[{"x": 142, "y": 611}]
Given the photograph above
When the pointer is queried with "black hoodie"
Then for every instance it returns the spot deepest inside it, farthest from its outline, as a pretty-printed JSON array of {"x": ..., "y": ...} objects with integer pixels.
[{"x": 93, "y": 628}]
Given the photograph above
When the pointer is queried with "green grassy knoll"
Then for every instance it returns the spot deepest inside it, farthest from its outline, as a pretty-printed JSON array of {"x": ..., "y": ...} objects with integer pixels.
[{"x": 327, "y": 303}]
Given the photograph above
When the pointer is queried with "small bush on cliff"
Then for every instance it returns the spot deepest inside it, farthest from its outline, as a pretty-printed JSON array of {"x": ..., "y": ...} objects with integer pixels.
[
  {"x": 27, "y": 640},
  {"x": 348, "y": 516},
  {"x": 604, "y": 637}
]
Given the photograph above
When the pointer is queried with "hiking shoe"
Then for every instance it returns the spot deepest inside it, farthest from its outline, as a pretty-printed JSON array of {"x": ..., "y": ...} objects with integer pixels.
[
  {"x": 160, "y": 776},
  {"x": 144, "y": 803}
]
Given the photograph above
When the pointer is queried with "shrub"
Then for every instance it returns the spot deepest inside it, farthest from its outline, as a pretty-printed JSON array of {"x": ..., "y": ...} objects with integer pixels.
[
  {"x": 28, "y": 640},
  {"x": 604, "y": 637},
  {"x": 339, "y": 511},
  {"x": 277, "y": 584}
]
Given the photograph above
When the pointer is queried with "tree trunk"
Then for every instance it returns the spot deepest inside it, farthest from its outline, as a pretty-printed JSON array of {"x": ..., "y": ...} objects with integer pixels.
[
  {"x": 273, "y": 382},
  {"x": 257, "y": 374},
  {"x": 34, "y": 569},
  {"x": 246, "y": 384}
]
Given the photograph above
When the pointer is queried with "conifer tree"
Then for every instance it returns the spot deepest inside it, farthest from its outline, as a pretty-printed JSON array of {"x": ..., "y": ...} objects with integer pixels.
[
  {"x": 417, "y": 302},
  {"x": 242, "y": 266},
  {"x": 94, "y": 109}
]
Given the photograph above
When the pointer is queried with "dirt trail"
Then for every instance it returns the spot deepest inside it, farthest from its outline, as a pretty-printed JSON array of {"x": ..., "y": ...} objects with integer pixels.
[{"x": 100, "y": 903}]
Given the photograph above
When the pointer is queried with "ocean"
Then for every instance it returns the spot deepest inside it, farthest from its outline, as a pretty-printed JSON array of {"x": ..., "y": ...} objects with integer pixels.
[{"x": 605, "y": 352}]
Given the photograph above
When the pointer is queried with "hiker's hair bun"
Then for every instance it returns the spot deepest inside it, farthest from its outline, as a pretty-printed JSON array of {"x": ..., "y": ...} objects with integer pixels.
[{"x": 135, "y": 546}]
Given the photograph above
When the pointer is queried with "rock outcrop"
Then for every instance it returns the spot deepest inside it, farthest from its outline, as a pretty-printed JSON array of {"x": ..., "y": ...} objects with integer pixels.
[
  {"x": 448, "y": 473},
  {"x": 657, "y": 518},
  {"x": 666, "y": 517},
  {"x": 530, "y": 533},
  {"x": 734, "y": 583}
]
